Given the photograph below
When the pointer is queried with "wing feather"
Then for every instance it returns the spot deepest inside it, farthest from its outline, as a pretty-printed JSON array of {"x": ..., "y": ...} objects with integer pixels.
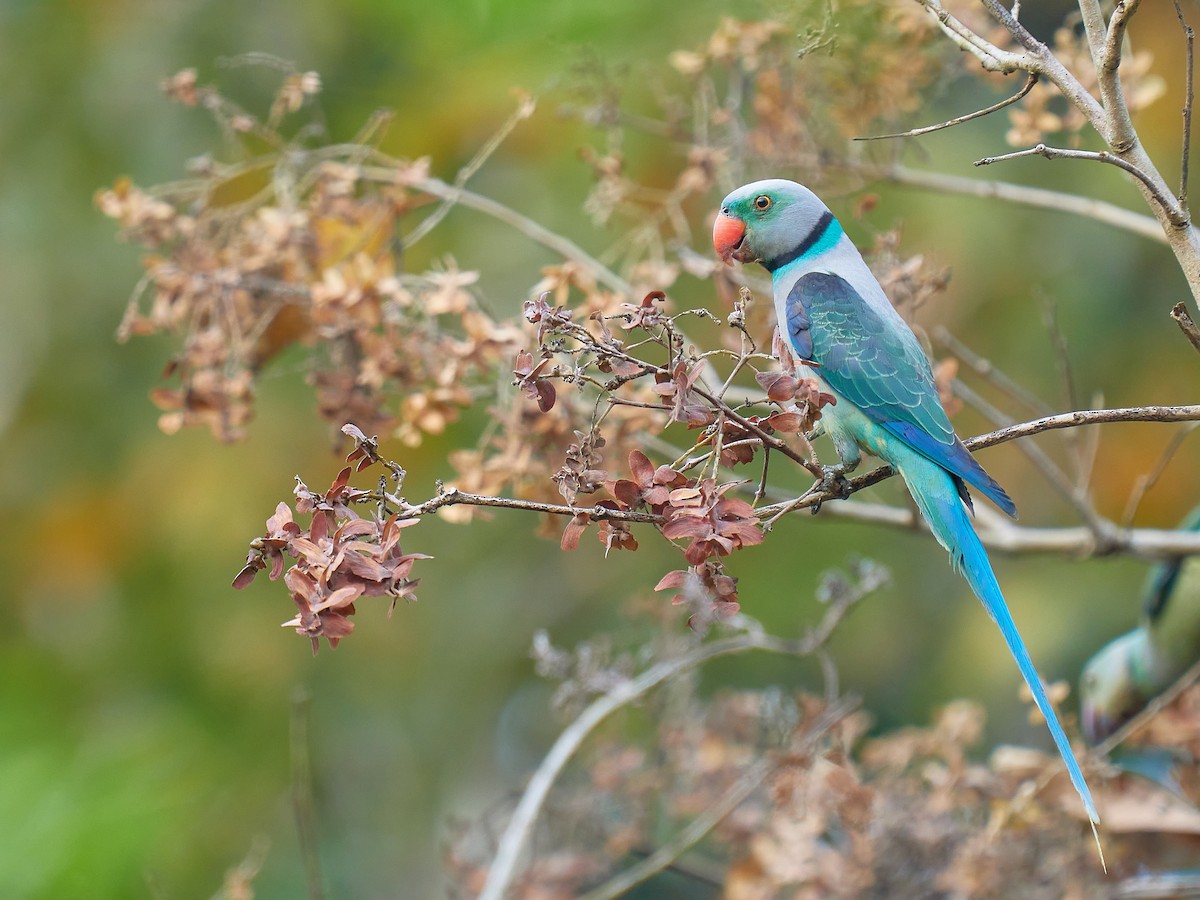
[{"x": 881, "y": 369}]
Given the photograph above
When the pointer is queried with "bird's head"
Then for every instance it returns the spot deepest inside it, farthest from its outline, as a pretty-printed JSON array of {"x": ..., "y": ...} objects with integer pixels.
[
  {"x": 1109, "y": 692},
  {"x": 765, "y": 221}
]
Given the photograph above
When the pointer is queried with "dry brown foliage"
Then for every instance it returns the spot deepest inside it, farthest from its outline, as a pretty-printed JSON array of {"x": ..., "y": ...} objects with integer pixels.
[{"x": 604, "y": 390}]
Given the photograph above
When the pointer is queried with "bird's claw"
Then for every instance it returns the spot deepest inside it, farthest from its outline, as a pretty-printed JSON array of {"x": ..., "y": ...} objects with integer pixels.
[{"x": 833, "y": 484}]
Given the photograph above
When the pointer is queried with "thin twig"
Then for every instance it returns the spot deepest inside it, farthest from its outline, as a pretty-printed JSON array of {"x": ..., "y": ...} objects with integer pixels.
[
  {"x": 303, "y": 807},
  {"x": 1144, "y": 482},
  {"x": 986, "y": 369},
  {"x": 687, "y": 837},
  {"x": 1039, "y": 198},
  {"x": 1053, "y": 473},
  {"x": 700, "y": 826},
  {"x": 989, "y": 55},
  {"x": 1189, "y": 36},
  {"x": 978, "y": 114},
  {"x": 452, "y": 496},
  {"x": 512, "y": 842},
  {"x": 523, "y": 111},
  {"x": 1168, "y": 204}
]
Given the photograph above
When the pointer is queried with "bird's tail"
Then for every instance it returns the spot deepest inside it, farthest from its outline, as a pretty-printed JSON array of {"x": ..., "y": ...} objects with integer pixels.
[{"x": 939, "y": 502}]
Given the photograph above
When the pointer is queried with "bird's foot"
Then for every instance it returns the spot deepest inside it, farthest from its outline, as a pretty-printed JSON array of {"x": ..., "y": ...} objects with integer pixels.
[{"x": 833, "y": 484}]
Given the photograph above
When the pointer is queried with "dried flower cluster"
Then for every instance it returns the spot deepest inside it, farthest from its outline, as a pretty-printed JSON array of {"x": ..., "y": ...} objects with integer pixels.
[
  {"x": 339, "y": 558},
  {"x": 247, "y": 259},
  {"x": 910, "y": 813}
]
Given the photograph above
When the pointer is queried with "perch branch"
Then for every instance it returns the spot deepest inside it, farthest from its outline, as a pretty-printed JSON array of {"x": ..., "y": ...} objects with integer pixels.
[{"x": 1150, "y": 543}]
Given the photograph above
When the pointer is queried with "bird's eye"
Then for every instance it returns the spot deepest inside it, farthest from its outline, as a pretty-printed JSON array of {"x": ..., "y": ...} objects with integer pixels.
[{"x": 762, "y": 201}]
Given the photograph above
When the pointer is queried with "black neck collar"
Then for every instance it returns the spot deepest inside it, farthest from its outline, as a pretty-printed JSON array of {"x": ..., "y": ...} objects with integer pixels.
[{"x": 818, "y": 232}]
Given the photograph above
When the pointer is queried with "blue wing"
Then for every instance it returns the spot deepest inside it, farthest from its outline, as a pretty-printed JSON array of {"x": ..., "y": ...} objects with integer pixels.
[{"x": 882, "y": 370}]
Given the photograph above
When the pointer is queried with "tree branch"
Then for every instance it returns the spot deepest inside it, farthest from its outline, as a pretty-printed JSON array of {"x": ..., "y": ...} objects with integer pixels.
[
  {"x": 1189, "y": 37},
  {"x": 516, "y": 834},
  {"x": 700, "y": 826},
  {"x": 688, "y": 837},
  {"x": 1085, "y": 417},
  {"x": 1184, "y": 320},
  {"x": 1038, "y": 58},
  {"x": 1170, "y": 209},
  {"x": 1121, "y": 135},
  {"x": 1094, "y": 27},
  {"x": 989, "y": 55},
  {"x": 1101, "y": 537},
  {"x": 1039, "y": 198},
  {"x": 978, "y": 114}
]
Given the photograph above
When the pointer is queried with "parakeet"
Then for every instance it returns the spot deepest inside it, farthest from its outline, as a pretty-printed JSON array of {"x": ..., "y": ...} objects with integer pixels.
[
  {"x": 1129, "y": 672},
  {"x": 835, "y": 316}
]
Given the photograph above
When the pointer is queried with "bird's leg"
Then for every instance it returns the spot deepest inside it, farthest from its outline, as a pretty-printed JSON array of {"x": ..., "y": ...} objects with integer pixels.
[
  {"x": 833, "y": 483},
  {"x": 833, "y": 478}
]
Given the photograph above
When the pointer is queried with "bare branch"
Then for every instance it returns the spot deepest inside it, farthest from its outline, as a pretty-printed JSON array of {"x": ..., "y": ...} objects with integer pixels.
[
  {"x": 724, "y": 805},
  {"x": 1018, "y": 31},
  {"x": 1120, "y": 136},
  {"x": 1039, "y": 198},
  {"x": 989, "y": 55},
  {"x": 1085, "y": 417},
  {"x": 535, "y": 231},
  {"x": 1094, "y": 27},
  {"x": 1038, "y": 58},
  {"x": 1102, "y": 537},
  {"x": 695, "y": 831},
  {"x": 1169, "y": 207},
  {"x": 512, "y": 842},
  {"x": 978, "y": 114},
  {"x": 1146, "y": 481},
  {"x": 1189, "y": 36},
  {"x": 452, "y": 496},
  {"x": 303, "y": 807},
  {"x": 1184, "y": 320}
]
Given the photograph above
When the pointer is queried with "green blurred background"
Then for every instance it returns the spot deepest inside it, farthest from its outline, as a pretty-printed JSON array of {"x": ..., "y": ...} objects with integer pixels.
[{"x": 145, "y": 706}]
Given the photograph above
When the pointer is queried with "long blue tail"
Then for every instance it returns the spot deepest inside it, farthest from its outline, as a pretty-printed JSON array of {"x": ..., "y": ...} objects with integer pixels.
[{"x": 939, "y": 502}]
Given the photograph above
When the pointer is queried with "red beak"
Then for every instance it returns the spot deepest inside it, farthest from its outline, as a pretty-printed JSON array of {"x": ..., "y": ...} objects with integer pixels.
[{"x": 728, "y": 235}]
